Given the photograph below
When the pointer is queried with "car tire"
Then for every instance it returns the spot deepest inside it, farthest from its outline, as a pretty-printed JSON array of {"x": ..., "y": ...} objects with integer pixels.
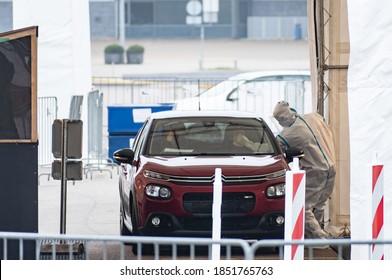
[
  {"x": 133, "y": 221},
  {"x": 146, "y": 249}
]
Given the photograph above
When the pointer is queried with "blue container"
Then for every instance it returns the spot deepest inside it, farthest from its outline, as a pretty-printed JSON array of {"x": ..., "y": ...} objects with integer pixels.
[
  {"x": 129, "y": 119},
  {"x": 125, "y": 121}
]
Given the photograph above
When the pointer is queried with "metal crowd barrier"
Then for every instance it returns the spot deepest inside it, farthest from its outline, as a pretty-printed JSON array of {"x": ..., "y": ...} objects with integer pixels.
[
  {"x": 110, "y": 91},
  {"x": 132, "y": 90},
  {"x": 115, "y": 91},
  {"x": 47, "y": 113},
  {"x": 81, "y": 247}
]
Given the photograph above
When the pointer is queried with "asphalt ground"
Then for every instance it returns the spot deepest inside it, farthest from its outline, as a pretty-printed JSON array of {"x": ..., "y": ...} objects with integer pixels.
[
  {"x": 182, "y": 57},
  {"x": 93, "y": 203}
]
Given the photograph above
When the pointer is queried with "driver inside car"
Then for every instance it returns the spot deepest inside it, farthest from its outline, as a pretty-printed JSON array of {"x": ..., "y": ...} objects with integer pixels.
[{"x": 240, "y": 139}]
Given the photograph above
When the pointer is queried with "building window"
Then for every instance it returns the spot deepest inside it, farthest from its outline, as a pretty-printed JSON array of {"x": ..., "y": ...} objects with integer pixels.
[{"x": 141, "y": 13}]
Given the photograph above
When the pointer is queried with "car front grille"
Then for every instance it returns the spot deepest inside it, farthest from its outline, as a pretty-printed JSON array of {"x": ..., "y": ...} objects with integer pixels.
[
  {"x": 232, "y": 202},
  {"x": 227, "y": 180}
]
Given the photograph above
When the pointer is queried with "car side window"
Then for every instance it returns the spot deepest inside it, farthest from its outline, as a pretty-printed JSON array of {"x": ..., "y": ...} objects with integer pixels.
[
  {"x": 233, "y": 95},
  {"x": 137, "y": 146},
  {"x": 242, "y": 90}
]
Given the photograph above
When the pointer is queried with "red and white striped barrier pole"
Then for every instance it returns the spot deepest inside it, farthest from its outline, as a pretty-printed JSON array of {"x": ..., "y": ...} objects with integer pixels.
[
  {"x": 294, "y": 212},
  {"x": 377, "y": 208}
]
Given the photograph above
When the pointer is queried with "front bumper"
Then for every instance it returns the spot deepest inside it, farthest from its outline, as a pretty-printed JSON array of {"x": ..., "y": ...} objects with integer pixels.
[{"x": 232, "y": 226}]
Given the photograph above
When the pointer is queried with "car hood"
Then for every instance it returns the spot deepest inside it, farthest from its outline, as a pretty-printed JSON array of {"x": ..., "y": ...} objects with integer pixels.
[{"x": 205, "y": 166}]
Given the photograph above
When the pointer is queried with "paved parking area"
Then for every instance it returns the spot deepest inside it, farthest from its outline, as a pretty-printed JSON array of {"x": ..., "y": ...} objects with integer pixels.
[
  {"x": 92, "y": 204},
  {"x": 165, "y": 57}
]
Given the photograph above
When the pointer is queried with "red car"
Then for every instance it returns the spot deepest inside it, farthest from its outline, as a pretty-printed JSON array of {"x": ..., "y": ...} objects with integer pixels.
[{"x": 166, "y": 181}]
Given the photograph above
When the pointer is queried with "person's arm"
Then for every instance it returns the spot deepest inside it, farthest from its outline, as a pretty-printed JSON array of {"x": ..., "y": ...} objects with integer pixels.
[{"x": 255, "y": 147}]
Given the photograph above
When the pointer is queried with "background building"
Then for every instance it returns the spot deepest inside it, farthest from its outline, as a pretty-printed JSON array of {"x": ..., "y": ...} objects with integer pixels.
[{"x": 250, "y": 19}]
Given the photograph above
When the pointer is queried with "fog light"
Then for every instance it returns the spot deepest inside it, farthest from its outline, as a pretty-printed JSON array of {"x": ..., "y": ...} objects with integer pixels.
[
  {"x": 280, "y": 220},
  {"x": 155, "y": 221}
]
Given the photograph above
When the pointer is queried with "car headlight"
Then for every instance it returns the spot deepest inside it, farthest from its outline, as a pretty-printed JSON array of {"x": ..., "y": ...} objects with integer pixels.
[
  {"x": 155, "y": 175},
  {"x": 156, "y": 191},
  {"x": 277, "y": 174},
  {"x": 275, "y": 191}
]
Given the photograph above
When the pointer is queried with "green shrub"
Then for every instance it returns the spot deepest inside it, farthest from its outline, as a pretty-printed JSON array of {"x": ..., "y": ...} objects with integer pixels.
[
  {"x": 135, "y": 49},
  {"x": 114, "y": 48}
]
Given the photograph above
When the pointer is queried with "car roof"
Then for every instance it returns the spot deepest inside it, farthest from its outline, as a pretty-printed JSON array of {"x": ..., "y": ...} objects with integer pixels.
[
  {"x": 203, "y": 113},
  {"x": 259, "y": 74}
]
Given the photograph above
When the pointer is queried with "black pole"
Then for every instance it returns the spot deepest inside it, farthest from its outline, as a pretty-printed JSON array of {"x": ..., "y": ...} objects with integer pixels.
[{"x": 63, "y": 206}]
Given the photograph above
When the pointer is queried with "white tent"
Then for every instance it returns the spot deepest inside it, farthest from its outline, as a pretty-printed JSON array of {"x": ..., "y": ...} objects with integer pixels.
[
  {"x": 370, "y": 113},
  {"x": 64, "y": 53},
  {"x": 351, "y": 51}
]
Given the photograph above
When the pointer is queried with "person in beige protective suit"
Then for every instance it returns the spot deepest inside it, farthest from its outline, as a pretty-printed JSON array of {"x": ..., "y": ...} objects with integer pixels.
[{"x": 310, "y": 133}]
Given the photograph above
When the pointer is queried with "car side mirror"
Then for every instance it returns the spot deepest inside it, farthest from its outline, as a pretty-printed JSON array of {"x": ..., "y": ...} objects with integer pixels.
[
  {"x": 124, "y": 156},
  {"x": 292, "y": 153}
]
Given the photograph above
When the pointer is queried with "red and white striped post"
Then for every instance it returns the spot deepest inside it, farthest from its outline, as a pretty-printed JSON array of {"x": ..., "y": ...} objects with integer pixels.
[
  {"x": 294, "y": 211},
  {"x": 377, "y": 208}
]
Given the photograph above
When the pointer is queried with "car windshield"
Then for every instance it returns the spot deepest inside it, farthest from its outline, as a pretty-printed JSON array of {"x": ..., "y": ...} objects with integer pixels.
[
  {"x": 229, "y": 85},
  {"x": 196, "y": 136}
]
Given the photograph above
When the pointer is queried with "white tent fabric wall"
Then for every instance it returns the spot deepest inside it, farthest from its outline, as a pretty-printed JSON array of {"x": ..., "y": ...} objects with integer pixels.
[
  {"x": 370, "y": 113},
  {"x": 64, "y": 52}
]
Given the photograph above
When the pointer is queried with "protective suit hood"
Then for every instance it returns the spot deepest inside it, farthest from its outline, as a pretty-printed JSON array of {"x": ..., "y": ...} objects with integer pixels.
[{"x": 284, "y": 114}]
